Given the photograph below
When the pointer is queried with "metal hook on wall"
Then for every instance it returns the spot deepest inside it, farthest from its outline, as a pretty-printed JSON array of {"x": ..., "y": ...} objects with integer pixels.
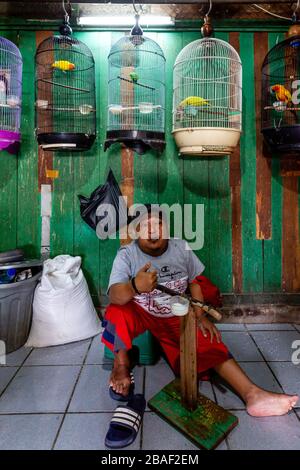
[
  {"x": 207, "y": 28},
  {"x": 296, "y": 12},
  {"x": 137, "y": 12},
  {"x": 210, "y": 7}
]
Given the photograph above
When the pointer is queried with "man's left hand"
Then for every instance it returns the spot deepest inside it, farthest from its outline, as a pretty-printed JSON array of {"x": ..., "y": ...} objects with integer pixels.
[{"x": 209, "y": 328}]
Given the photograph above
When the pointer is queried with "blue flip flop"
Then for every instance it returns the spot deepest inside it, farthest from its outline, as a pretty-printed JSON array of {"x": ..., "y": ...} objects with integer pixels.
[
  {"x": 118, "y": 396},
  {"x": 125, "y": 423}
]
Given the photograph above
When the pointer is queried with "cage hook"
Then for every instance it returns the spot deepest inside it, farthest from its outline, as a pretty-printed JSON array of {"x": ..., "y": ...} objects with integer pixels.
[
  {"x": 65, "y": 29},
  {"x": 137, "y": 12},
  {"x": 65, "y": 11},
  {"x": 136, "y": 30},
  {"x": 210, "y": 7},
  {"x": 296, "y": 12},
  {"x": 207, "y": 28}
]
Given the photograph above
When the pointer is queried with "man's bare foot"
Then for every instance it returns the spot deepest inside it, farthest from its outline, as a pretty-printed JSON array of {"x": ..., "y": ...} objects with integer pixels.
[
  {"x": 120, "y": 379},
  {"x": 262, "y": 403}
]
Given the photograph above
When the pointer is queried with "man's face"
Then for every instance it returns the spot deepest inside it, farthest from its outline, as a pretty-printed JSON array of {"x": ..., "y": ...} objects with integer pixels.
[{"x": 153, "y": 238}]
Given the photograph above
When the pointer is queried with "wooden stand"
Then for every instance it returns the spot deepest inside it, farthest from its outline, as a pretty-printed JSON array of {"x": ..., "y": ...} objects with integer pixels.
[
  {"x": 188, "y": 361},
  {"x": 198, "y": 418}
]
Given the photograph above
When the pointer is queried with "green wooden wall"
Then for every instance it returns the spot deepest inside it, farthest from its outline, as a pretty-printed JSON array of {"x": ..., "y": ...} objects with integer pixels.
[{"x": 162, "y": 178}]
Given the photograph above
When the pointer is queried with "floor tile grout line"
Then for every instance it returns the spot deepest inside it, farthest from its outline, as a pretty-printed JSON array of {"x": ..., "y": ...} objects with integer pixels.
[
  {"x": 247, "y": 330},
  {"x": 71, "y": 397},
  {"x": 37, "y": 413},
  {"x": 108, "y": 364},
  {"x": 16, "y": 372},
  {"x": 257, "y": 347},
  {"x": 107, "y": 412},
  {"x": 266, "y": 362},
  {"x": 298, "y": 416},
  {"x": 142, "y": 424}
]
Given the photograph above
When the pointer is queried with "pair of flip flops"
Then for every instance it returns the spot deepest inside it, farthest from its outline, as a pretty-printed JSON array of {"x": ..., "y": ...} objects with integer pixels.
[{"x": 125, "y": 423}]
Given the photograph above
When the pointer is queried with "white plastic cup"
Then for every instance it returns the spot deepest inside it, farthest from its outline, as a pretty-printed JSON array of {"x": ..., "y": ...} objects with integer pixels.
[{"x": 179, "y": 306}]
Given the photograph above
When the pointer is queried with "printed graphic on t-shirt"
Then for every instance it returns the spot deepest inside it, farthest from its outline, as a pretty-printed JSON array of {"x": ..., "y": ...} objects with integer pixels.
[
  {"x": 165, "y": 273},
  {"x": 157, "y": 303}
]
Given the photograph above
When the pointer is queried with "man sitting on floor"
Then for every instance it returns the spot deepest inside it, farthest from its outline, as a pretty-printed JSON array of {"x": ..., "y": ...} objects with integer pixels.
[{"x": 136, "y": 307}]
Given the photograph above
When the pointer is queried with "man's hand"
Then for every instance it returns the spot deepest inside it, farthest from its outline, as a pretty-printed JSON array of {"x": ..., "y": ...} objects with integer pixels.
[
  {"x": 209, "y": 328},
  {"x": 146, "y": 281}
]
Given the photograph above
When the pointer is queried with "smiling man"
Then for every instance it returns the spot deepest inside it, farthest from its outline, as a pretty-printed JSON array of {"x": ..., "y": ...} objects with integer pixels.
[{"x": 136, "y": 306}]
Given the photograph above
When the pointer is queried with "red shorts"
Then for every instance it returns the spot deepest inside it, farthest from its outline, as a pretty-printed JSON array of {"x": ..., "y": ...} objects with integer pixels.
[{"x": 123, "y": 323}]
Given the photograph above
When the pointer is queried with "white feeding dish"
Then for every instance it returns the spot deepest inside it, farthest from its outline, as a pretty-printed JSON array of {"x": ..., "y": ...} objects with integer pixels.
[
  {"x": 13, "y": 101},
  {"x": 86, "y": 109},
  {"x": 179, "y": 306},
  {"x": 115, "y": 109}
]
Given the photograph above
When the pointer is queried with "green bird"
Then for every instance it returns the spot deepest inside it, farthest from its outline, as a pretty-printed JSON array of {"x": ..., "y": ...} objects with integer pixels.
[{"x": 134, "y": 76}]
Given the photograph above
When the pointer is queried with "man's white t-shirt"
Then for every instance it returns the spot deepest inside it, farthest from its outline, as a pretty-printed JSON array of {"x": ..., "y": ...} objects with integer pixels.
[{"x": 176, "y": 267}]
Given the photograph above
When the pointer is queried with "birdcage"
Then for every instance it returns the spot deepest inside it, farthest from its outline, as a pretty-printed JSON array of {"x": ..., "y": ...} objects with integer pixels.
[
  {"x": 136, "y": 94},
  {"x": 207, "y": 98},
  {"x": 280, "y": 117},
  {"x": 10, "y": 95},
  {"x": 65, "y": 94}
]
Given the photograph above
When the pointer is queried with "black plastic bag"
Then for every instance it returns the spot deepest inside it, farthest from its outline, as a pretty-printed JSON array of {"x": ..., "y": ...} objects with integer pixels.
[{"x": 105, "y": 210}]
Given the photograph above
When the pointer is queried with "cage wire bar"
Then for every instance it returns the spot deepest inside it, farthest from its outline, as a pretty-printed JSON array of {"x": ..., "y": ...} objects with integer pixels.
[
  {"x": 10, "y": 95},
  {"x": 65, "y": 94},
  {"x": 280, "y": 97},
  {"x": 136, "y": 94},
  {"x": 207, "y": 98}
]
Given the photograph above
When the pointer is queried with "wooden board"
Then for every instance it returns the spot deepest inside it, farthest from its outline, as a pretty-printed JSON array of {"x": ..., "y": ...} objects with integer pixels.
[
  {"x": 263, "y": 164},
  {"x": 206, "y": 426},
  {"x": 220, "y": 216},
  {"x": 252, "y": 248},
  {"x": 8, "y": 188},
  {"x": 272, "y": 266},
  {"x": 235, "y": 186},
  {"x": 188, "y": 360}
]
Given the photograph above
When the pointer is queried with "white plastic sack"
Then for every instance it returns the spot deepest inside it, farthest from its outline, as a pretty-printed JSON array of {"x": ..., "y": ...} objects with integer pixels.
[{"x": 63, "y": 311}]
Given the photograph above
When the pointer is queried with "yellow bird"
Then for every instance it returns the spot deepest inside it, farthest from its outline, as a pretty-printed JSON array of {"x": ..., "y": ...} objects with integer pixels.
[
  {"x": 63, "y": 65},
  {"x": 282, "y": 94},
  {"x": 193, "y": 101}
]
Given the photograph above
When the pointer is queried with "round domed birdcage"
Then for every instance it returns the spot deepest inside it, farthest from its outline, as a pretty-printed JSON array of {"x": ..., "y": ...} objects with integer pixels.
[
  {"x": 280, "y": 113},
  {"x": 65, "y": 94},
  {"x": 136, "y": 94},
  {"x": 10, "y": 95},
  {"x": 207, "y": 98}
]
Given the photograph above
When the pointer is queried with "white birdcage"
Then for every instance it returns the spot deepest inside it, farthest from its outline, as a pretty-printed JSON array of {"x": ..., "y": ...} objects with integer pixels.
[
  {"x": 207, "y": 98},
  {"x": 10, "y": 95}
]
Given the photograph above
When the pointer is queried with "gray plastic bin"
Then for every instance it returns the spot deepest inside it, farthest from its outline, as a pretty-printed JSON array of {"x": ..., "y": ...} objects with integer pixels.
[{"x": 16, "y": 305}]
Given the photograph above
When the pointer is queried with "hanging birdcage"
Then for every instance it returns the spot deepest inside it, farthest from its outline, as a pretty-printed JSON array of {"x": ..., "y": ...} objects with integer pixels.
[
  {"x": 280, "y": 123},
  {"x": 65, "y": 94},
  {"x": 136, "y": 94},
  {"x": 207, "y": 98},
  {"x": 10, "y": 95}
]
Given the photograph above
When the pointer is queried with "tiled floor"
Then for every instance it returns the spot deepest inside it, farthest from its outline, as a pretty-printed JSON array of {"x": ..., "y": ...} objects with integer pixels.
[{"x": 57, "y": 398}]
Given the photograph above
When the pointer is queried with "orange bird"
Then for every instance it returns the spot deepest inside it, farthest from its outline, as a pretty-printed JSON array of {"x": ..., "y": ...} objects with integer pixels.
[{"x": 282, "y": 94}]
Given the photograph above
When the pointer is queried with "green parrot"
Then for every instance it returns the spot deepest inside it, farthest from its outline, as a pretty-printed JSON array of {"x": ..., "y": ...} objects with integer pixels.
[{"x": 134, "y": 76}]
